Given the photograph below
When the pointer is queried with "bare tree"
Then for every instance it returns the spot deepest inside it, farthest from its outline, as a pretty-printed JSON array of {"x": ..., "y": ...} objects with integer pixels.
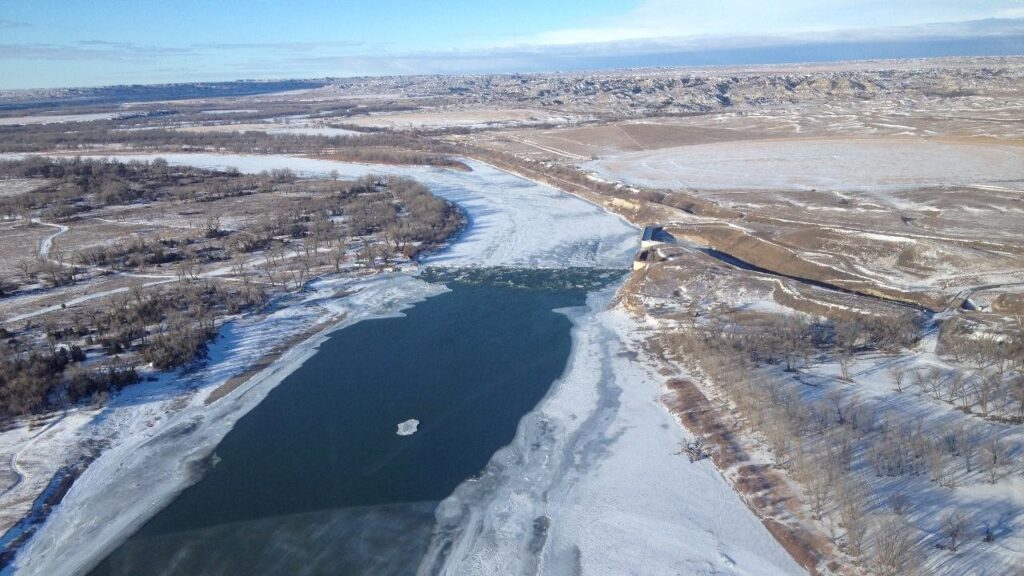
[
  {"x": 1017, "y": 393},
  {"x": 893, "y": 543},
  {"x": 986, "y": 388},
  {"x": 28, "y": 267},
  {"x": 896, "y": 373},
  {"x": 188, "y": 267},
  {"x": 958, "y": 389},
  {"x": 239, "y": 267},
  {"x": 695, "y": 450},
  {"x": 270, "y": 270},
  {"x": 338, "y": 254},
  {"x": 213, "y": 225},
  {"x": 852, "y": 497},
  {"x": 819, "y": 484},
  {"x": 967, "y": 444},
  {"x": 793, "y": 339},
  {"x": 845, "y": 359},
  {"x": 994, "y": 455},
  {"x": 920, "y": 378},
  {"x": 938, "y": 464},
  {"x": 934, "y": 380},
  {"x": 954, "y": 526}
]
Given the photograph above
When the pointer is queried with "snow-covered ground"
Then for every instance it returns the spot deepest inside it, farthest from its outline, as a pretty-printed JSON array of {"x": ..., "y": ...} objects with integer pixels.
[
  {"x": 820, "y": 163},
  {"x": 274, "y": 128},
  {"x": 594, "y": 482},
  {"x": 598, "y": 457},
  {"x": 52, "y": 119},
  {"x": 999, "y": 505},
  {"x": 47, "y": 243}
]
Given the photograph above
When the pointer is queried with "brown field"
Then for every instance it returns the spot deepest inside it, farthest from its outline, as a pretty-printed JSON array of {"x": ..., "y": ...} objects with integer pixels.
[
  {"x": 14, "y": 186},
  {"x": 18, "y": 242},
  {"x": 437, "y": 118}
]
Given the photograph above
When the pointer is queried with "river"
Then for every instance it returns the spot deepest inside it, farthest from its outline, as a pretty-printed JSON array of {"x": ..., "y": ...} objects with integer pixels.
[
  {"x": 316, "y": 479},
  {"x": 540, "y": 429}
]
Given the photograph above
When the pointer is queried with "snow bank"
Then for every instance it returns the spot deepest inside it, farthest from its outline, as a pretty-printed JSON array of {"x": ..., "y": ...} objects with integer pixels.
[{"x": 593, "y": 482}]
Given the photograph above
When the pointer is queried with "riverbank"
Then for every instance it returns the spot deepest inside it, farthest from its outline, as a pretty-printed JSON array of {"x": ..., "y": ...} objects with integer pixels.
[
  {"x": 594, "y": 467},
  {"x": 512, "y": 223},
  {"x": 327, "y": 439},
  {"x": 161, "y": 433},
  {"x": 597, "y": 467}
]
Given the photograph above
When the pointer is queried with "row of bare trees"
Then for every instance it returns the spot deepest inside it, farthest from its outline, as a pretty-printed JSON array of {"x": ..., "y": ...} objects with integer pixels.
[
  {"x": 832, "y": 442},
  {"x": 75, "y": 185},
  {"x": 385, "y": 147}
]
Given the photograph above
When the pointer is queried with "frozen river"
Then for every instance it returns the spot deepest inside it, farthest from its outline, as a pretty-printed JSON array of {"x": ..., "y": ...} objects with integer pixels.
[
  {"x": 513, "y": 222},
  {"x": 590, "y": 480}
]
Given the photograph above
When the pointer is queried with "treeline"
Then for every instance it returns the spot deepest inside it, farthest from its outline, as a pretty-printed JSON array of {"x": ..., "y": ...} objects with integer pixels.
[
  {"x": 78, "y": 185},
  {"x": 422, "y": 218},
  {"x": 87, "y": 135},
  {"x": 373, "y": 220},
  {"x": 77, "y": 97},
  {"x": 168, "y": 326},
  {"x": 992, "y": 381},
  {"x": 33, "y": 380},
  {"x": 795, "y": 338},
  {"x": 134, "y": 253}
]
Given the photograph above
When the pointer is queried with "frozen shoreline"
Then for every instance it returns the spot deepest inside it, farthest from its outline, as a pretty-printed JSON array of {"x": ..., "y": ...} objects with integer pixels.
[
  {"x": 158, "y": 448},
  {"x": 596, "y": 467},
  {"x": 593, "y": 466},
  {"x": 514, "y": 222}
]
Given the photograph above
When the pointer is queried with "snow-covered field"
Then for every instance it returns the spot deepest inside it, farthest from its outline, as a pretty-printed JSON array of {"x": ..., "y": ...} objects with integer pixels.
[
  {"x": 53, "y": 119},
  {"x": 821, "y": 163},
  {"x": 598, "y": 458},
  {"x": 275, "y": 128}
]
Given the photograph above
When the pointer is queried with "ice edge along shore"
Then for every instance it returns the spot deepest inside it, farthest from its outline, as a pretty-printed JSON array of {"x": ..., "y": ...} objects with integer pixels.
[{"x": 515, "y": 223}]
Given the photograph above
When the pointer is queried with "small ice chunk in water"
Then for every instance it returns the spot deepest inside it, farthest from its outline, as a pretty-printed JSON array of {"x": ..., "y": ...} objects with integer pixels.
[{"x": 408, "y": 428}]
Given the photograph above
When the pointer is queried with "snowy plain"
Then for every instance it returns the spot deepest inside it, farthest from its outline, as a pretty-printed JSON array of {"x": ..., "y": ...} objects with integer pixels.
[
  {"x": 817, "y": 163},
  {"x": 596, "y": 464}
]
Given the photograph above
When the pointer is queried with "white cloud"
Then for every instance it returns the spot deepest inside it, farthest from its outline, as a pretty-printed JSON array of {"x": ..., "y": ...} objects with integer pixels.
[{"x": 678, "y": 18}]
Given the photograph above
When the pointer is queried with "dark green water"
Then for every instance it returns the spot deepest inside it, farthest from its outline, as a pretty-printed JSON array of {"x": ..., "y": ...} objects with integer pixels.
[{"x": 315, "y": 479}]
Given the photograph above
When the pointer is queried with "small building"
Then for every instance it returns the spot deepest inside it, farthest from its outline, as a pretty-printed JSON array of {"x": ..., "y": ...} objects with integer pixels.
[{"x": 652, "y": 236}]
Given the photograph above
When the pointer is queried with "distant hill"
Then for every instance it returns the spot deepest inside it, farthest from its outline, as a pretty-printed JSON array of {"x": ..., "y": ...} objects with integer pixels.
[{"x": 58, "y": 97}]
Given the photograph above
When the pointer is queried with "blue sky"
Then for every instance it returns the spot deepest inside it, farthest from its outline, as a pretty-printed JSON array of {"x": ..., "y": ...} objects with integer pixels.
[{"x": 46, "y": 43}]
